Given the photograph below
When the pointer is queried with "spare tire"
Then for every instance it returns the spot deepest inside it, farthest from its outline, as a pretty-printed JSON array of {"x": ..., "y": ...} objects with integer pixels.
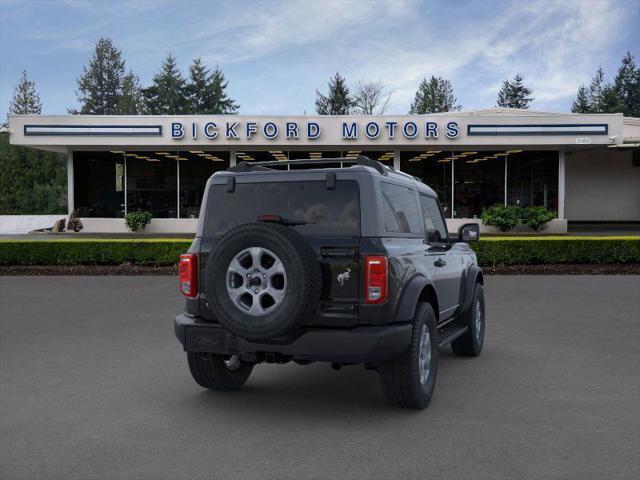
[{"x": 262, "y": 280}]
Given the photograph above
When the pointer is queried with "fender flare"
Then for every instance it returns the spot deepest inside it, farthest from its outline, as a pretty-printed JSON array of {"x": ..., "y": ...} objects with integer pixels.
[
  {"x": 466, "y": 292},
  {"x": 409, "y": 299}
]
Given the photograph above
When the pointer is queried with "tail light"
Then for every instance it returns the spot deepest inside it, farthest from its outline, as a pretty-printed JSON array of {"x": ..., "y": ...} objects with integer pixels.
[
  {"x": 189, "y": 275},
  {"x": 375, "y": 279}
]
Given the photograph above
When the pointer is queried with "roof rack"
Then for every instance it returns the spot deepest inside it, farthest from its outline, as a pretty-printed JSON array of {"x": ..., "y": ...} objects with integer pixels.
[{"x": 359, "y": 160}]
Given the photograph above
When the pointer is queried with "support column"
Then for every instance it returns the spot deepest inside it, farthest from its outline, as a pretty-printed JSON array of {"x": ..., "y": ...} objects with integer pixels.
[
  {"x": 506, "y": 165},
  {"x": 453, "y": 183},
  {"x": 177, "y": 188},
  {"x": 561, "y": 182},
  {"x": 396, "y": 159},
  {"x": 70, "y": 183},
  {"x": 232, "y": 158}
]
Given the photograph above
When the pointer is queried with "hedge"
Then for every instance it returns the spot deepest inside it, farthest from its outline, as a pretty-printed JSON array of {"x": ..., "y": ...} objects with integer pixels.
[
  {"x": 158, "y": 252},
  {"x": 92, "y": 252},
  {"x": 568, "y": 250}
]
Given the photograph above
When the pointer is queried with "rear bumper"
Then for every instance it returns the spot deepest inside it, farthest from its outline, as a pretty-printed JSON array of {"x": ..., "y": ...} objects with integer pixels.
[{"x": 354, "y": 345}]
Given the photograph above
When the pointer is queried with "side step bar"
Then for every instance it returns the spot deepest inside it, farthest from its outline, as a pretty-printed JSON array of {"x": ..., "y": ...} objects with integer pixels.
[{"x": 450, "y": 332}]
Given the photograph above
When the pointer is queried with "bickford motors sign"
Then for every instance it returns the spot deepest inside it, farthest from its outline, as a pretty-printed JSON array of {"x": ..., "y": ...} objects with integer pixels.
[{"x": 310, "y": 130}]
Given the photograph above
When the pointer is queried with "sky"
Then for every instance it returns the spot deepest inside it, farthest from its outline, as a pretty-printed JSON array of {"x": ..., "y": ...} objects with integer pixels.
[{"x": 275, "y": 54}]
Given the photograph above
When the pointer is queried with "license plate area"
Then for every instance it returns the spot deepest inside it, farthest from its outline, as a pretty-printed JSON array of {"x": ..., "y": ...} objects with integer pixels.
[{"x": 200, "y": 339}]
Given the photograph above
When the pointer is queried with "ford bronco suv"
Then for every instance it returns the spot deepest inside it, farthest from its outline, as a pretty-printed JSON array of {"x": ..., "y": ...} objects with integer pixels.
[{"x": 343, "y": 265}]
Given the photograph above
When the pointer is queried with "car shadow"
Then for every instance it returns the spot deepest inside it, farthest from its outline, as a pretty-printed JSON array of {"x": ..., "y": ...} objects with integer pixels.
[{"x": 286, "y": 391}]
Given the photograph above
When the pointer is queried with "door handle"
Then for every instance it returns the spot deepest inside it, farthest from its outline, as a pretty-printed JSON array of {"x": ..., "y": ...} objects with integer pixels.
[{"x": 440, "y": 263}]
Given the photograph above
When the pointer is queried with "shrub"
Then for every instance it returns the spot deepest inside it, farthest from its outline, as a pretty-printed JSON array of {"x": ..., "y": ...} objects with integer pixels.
[
  {"x": 137, "y": 220},
  {"x": 490, "y": 251},
  {"x": 92, "y": 252},
  {"x": 503, "y": 217},
  {"x": 536, "y": 217},
  {"x": 74, "y": 223}
]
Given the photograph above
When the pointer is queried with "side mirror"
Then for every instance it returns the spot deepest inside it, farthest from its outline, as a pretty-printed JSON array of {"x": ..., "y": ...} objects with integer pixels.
[{"x": 469, "y": 232}]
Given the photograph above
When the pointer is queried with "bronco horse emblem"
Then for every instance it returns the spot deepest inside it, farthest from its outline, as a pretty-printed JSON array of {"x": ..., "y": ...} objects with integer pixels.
[{"x": 343, "y": 277}]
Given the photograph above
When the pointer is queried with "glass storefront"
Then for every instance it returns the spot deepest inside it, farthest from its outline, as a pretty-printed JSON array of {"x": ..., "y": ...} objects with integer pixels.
[
  {"x": 99, "y": 184},
  {"x": 170, "y": 184},
  {"x": 479, "y": 178}
]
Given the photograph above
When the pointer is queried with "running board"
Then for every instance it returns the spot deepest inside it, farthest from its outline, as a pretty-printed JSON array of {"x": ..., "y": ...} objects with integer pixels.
[{"x": 450, "y": 332}]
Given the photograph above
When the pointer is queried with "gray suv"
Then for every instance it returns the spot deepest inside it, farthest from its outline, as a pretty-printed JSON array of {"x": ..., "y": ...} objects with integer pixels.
[{"x": 342, "y": 265}]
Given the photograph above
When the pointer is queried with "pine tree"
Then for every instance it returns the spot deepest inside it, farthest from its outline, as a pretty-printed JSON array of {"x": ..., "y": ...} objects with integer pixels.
[
  {"x": 196, "y": 89},
  {"x": 581, "y": 104},
  {"x": 433, "y": 96},
  {"x": 167, "y": 95},
  {"x": 627, "y": 86},
  {"x": 99, "y": 86},
  {"x": 25, "y": 99},
  {"x": 130, "y": 101},
  {"x": 206, "y": 92},
  {"x": 338, "y": 101},
  {"x": 218, "y": 100},
  {"x": 596, "y": 91},
  {"x": 514, "y": 94}
]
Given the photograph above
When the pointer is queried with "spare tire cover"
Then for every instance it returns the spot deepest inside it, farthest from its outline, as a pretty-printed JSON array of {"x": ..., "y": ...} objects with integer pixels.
[{"x": 262, "y": 280}]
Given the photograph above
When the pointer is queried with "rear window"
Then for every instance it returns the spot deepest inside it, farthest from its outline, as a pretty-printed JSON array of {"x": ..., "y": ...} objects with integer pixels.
[
  {"x": 400, "y": 209},
  {"x": 326, "y": 212}
]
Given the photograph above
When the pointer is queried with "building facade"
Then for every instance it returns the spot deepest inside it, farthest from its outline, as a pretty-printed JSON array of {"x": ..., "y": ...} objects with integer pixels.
[{"x": 583, "y": 167}]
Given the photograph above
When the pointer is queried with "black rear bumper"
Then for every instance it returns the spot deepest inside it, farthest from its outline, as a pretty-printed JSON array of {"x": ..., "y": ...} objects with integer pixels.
[{"x": 354, "y": 345}]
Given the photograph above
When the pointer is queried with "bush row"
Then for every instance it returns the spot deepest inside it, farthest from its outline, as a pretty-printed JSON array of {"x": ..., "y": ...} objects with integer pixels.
[
  {"x": 580, "y": 250},
  {"x": 490, "y": 251},
  {"x": 92, "y": 252}
]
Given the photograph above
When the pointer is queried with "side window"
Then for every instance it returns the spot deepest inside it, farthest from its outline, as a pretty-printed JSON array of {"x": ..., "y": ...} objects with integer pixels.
[
  {"x": 433, "y": 221},
  {"x": 400, "y": 209}
]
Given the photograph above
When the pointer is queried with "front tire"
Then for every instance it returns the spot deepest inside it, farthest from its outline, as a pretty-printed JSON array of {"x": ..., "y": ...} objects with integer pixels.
[
  {"x": 218, "y": 372},
  {"x": 470, "y": 344},
  {"x": 409, "y": 380}
]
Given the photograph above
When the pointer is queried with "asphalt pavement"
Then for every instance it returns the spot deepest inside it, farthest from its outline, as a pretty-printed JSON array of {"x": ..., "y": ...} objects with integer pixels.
[{"x": 93, "y": 385}]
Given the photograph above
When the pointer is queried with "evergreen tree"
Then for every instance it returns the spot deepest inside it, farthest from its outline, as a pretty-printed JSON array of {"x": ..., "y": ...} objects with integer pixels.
[
  {"x": 596, "y": 91},
  {"x": 514, "y": 94},
  {"x": 130, "y": 101},
  {"x": 206, "y": 92},
  {"x": 218, "y": 100},
  {"x": 433, "y": 96},
  {"x": 99, "y": 86},
  {"x": 581, "y": 104},
  {"x": 338, "y": 101},
  {"x": 167, "y": 95},
  {"x": 25, "y": 99},
  {"x": 627, "y": 86}
]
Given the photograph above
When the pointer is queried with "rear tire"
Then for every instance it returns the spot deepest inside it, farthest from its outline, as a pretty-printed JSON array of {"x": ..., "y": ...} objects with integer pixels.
[
  {"x": 470, "y": 344},
  {"x": 409, "y": 380},
  {"x": 212, "y": 372}
]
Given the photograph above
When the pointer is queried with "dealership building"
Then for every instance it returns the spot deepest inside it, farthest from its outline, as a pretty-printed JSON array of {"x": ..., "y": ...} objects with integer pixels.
[{"x": 586, "y": 168}]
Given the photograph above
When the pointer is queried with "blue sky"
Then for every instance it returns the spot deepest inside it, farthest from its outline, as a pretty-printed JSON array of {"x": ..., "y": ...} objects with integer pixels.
[{"x": 275, "y": 54}]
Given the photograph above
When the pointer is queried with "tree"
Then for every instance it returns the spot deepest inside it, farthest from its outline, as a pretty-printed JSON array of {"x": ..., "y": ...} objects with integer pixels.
[
  {"x": 627, "y": 86},
  {"x": 25, "y": 99},
  {"x": 130, "y": 101},
  {"x": 100, "y": 85},
  {"x": 596, "y": 91},
  {"x": 581, "y": 104},
  {"x": 206, "y": 92},
  {"x": 370, "y": 98},
  {"x": 337, "y": 101},
  {"x": 167, "y": 95},
  {"x": 434, "y": 95},
  {"x": 514, "y": 94}
]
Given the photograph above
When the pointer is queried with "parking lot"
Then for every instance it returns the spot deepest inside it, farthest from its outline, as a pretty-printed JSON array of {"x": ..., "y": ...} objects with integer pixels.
[{"x": 93, "y": 384}]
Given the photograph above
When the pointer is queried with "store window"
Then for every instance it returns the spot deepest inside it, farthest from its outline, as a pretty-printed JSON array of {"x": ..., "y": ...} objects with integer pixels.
[
  {"x": 532, "y": 179},
  {"x": 99, "y": 184},
  {"x": 195, "y": 167},
  {"x": 152, "y": 184},
  {"x": 478, "y": 182}
]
